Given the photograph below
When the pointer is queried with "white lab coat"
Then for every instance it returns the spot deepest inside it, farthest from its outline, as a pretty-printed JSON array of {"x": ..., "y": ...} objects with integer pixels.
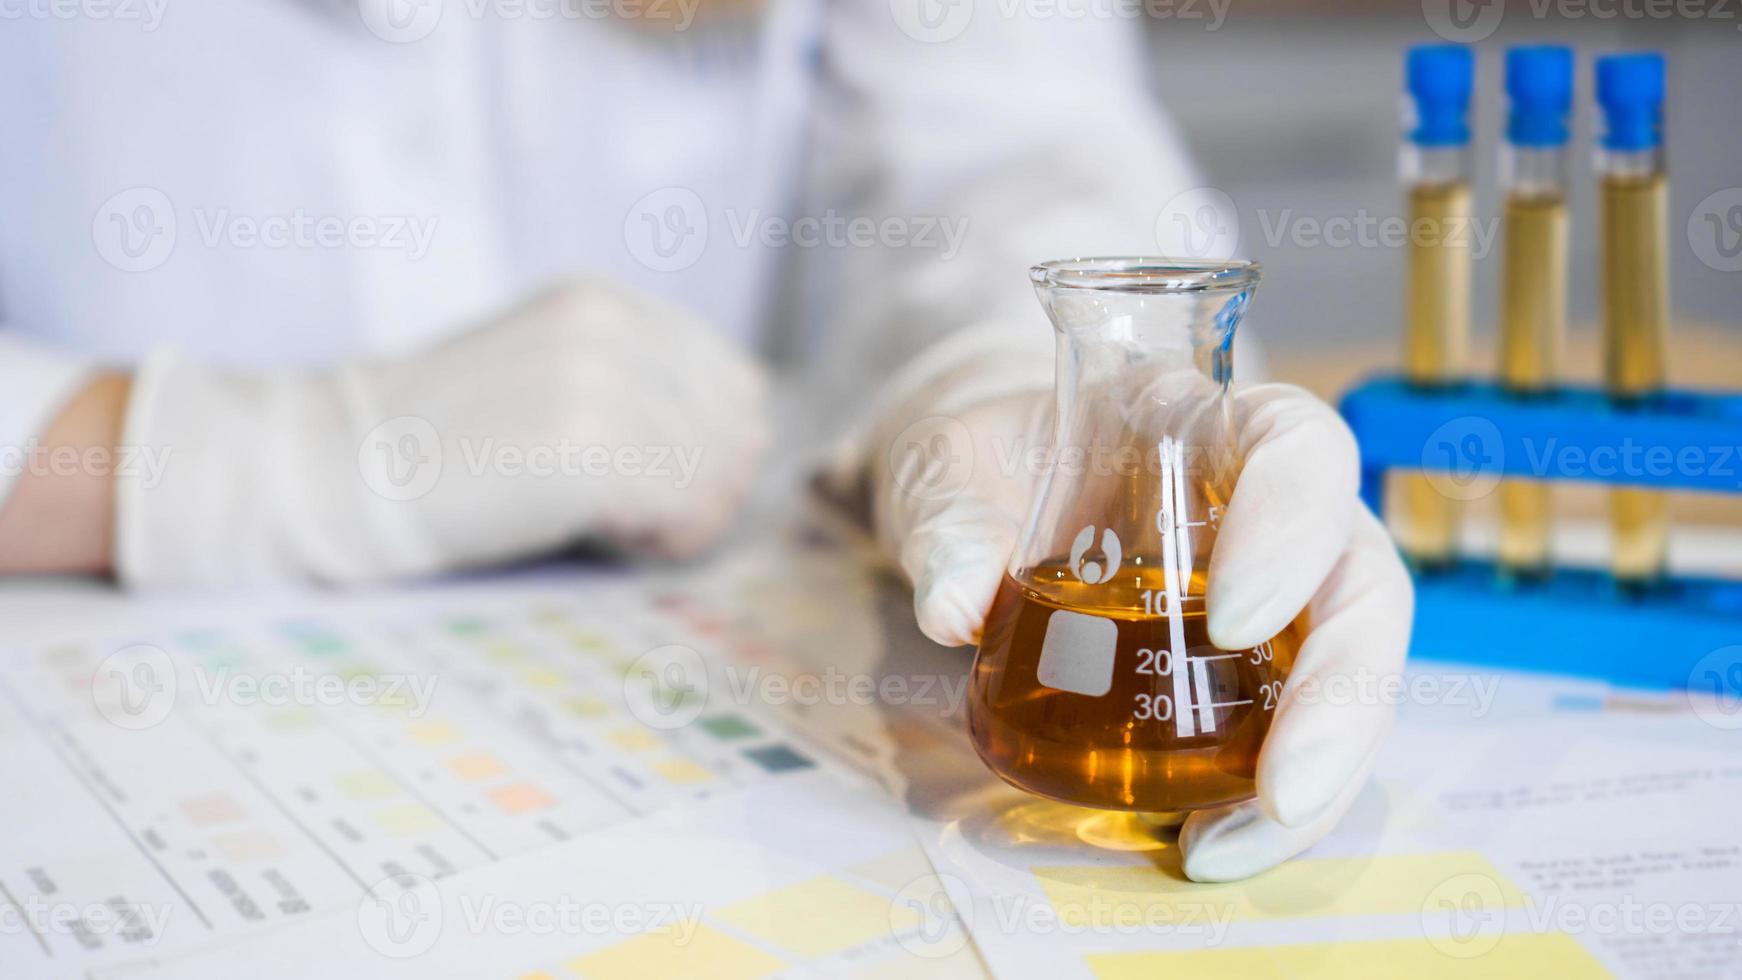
[{"x": 333, "y": 193}]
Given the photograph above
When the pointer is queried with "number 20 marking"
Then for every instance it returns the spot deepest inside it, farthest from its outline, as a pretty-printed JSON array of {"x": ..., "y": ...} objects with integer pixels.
[{"x": 1154, "y": 662}]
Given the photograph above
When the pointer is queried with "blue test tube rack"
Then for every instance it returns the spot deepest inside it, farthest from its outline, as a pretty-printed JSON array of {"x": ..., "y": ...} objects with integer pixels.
[{"x": 1577, "y": 621}]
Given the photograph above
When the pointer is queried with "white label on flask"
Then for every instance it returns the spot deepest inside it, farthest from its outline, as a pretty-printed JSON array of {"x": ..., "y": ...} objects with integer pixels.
[{"x": 1077, "y": 654}]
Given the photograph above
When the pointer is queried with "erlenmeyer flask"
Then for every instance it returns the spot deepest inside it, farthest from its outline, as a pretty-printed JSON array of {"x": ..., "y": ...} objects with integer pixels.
[{"x": 1095, "y": 682}]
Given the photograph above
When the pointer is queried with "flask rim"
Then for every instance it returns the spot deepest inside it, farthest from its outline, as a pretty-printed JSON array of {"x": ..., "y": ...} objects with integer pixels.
[{"x": 1146, "y": 274}]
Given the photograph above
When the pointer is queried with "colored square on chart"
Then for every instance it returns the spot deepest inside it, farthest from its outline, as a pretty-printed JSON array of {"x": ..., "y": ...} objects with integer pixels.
[
  {"x": 545, "y": 678},
  {"x": 203, "y": 811},
  {"x": 367, "y": 784},
  {"x": 294, "y": 719},
  {"x": 520, "y": 798},
  {"x": 819, "y": 916},
  {"x": 322, "y": 645},
  {"x": 1102, "y": 896},
  {"x": 683, "y": 772},
  {"x": 670, "y": 953},
  {"x": 408, "y": 820},
  {"x": 1498, "y": 955},
  {"x": 223, "y": 659},
  {"x": 728, "y": 727},
  {"x": 588, "y": 642},
  {"x": 587, "y": 707},
  {"x": 504, "y": 650},
  {"x": 778, "y": 758},
  {"x": 634, "y": 739},
  {"x": 433, "y": 734},
  {"x": 896, "y": 870},
  {"x": 476, "y": 765},
  {"x": 466, "y": 626},
  {"x": 536, "y": 975},
  {"x": 248, "y": 845}
]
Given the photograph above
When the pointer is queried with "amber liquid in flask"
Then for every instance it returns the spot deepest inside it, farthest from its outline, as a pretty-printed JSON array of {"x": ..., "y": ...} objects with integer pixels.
[
  {"x": 1096, "y": 682},
  {"x": 1130, "y": 724}
]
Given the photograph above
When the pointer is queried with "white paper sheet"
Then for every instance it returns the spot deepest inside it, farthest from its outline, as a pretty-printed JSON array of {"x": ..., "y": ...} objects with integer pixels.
[{"x": 1515, "y": 824}]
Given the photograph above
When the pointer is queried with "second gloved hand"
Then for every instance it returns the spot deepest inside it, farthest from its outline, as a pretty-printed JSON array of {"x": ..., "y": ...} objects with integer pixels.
[
  {"x": 587, "y": 412},
  {"x": 1295, "y": 539}
]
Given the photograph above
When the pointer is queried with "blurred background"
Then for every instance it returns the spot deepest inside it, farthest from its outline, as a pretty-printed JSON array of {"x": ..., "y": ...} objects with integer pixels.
[{"x": 1295, "y": 113}]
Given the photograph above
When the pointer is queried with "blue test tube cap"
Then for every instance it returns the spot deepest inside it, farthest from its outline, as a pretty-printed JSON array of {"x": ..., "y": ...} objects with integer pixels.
[
  {"x": 1439, "y": 78},
  {"x": 1630, "y": 92},
  {"x": 1539, "y": 87}
]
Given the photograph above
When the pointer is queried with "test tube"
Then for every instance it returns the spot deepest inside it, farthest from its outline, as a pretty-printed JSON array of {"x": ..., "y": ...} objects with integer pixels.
[
  {"x": 1533, "y": 285},
  {"x": 1634, "y": 269},
  {"x": 1434, "y": 165}
]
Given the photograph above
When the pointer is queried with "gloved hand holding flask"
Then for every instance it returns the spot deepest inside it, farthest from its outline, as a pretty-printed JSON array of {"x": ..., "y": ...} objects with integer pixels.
[{"x": 1183, "y": 539}]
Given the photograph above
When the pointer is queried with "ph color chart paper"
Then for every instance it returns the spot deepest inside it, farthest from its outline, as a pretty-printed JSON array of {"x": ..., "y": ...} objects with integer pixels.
[
  {"x": 197, "y": 785},
  {"x": 1507, "y": 845},
  {"x": 804, "y": 877},
  {"x": 763, "y": 768}
]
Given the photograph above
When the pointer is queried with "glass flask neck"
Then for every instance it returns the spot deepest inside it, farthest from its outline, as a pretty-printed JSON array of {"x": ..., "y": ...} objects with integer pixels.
[{"x": 1142, "y": 438}]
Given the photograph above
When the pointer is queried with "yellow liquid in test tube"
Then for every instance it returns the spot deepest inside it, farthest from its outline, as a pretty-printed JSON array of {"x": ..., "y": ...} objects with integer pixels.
[
  {"x": 1533, "y": 293},
  {"x": 1635, "y": 299},
  {"x": 1435, "y": 344}
]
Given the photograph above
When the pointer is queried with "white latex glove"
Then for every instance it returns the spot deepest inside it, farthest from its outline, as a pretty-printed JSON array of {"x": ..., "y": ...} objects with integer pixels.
[
  {"x": 1295, "y": 537},
  {"x": 587, "y": 412}
]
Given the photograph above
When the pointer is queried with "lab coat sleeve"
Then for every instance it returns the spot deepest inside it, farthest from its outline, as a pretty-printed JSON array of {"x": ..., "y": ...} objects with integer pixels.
[
  {"x": 35, "y": 382},
  {"x": 976, "y": 146}
]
